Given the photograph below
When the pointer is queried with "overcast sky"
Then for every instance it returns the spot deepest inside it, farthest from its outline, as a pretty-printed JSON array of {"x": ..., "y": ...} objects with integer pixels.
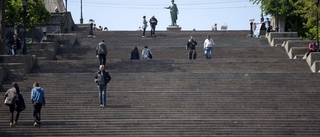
[{"x": 193, "y": 14}]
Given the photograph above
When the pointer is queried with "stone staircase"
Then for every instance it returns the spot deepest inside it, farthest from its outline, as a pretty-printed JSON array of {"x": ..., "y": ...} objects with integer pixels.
[{"x": 247, "y": 89}]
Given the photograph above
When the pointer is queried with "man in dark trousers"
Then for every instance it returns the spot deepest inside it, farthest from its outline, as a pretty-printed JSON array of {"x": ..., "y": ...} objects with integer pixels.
[
  {"x": 101, "y": 52},
  {"x": 191, "y": 46},
  {"x": 38, "y": 100},
  {"x": 153, "y": 22},
  {"x": 15, "y": 45}
]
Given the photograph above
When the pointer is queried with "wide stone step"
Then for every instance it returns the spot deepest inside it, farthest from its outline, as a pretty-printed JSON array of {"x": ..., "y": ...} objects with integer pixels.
[
  {"x": 176, "y": 82},
  {"x": 178, "y": 105},
  {"x": 234, "y": 65},
  {"x": 169, "y": 127},
  {"x": 247, "y": 89}
]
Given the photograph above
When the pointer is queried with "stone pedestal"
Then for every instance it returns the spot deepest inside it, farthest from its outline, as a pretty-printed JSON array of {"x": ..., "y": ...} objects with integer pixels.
[{"x": 173, "y": 28}]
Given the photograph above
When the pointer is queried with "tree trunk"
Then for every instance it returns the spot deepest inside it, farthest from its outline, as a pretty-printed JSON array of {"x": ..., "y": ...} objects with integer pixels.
[{"x": 2, "y": 26}]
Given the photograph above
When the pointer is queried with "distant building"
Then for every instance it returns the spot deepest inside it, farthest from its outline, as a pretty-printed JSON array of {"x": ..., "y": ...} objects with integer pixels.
[{"x": 61, "y": 21}]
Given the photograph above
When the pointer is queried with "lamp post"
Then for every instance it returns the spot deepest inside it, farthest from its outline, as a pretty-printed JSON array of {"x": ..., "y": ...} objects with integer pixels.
[
  {"x": 317, "y": 21},
  {"x": 81, "y": 18},
  {"x": 66, "y": 13},
  {"x": 2, "y": 23},
  {"x": 24, "y": 47},
  {"x": 91, "y": 21},
  {"x": 251, "y": 27}
]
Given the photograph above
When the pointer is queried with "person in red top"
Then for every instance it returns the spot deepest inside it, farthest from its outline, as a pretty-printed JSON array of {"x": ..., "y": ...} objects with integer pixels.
[{"x": 313, "y": 47}]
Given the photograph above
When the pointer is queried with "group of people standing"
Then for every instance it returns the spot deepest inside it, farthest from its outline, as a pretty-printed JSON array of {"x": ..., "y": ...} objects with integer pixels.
[
  {"x": 207, "y": 46},
  {"x": 153, "y": 23},
  {"x": 190, "y": 46},
  {"x": 14, "y": 100}
]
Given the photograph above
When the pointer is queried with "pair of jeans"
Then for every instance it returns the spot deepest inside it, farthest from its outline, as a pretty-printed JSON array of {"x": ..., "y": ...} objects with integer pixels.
[
  {"x": 153, "y": 30},
  {"x": 14, "y": 51},
  {"x": 37, "y": 112},
  {"x": 208, "y": 52},
  {"x": 102, "y": 94}
]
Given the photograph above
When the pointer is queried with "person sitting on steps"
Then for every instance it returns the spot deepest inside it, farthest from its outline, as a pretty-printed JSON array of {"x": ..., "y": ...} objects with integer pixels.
[{"x": 313, "y": 47}]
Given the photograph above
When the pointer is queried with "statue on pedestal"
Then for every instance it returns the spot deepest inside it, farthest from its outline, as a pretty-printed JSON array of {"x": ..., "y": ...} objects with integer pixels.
[{"x": 174, "y": 13}]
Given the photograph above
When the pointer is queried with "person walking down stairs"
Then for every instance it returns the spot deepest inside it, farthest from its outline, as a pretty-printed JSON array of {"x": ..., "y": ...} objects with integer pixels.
[
  {"x": 191, "y": 46},
  {"x": 153, "y": 23},
  {"x": 207, "y": 45},
  {"x": 102, "y": 78}
]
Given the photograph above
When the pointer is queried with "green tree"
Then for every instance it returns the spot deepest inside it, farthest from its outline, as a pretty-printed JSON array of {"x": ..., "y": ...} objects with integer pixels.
[
  {"x": 306, "y": 9},
  {"x": 36, "y": 13},
  {"x": 298, "y": 14}
]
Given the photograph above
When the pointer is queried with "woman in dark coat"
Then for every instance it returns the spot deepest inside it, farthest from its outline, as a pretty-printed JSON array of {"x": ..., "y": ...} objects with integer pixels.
[
  {"x": 135, "y": 54},
  {"x": 20, "y": 105}
]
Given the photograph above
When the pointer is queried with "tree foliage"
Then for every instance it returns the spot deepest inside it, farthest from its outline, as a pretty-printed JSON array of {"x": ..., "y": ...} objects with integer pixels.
[
  {"x": 299, "y": 15},
  {"x": 36, "y": 13}
]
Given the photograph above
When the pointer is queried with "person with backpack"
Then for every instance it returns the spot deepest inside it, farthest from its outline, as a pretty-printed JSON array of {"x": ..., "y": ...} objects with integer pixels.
[
  {"x": 101, "y": 52},
  {"x": 10, "y": 98},
  {"x": 146, "y": 53},
  {"x": 102, "y": 78},
  {"x": 20, "y": 105}
]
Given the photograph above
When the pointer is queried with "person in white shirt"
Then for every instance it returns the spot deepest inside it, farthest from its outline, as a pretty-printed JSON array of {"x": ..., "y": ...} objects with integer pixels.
[{"x": 207, "y": 46}]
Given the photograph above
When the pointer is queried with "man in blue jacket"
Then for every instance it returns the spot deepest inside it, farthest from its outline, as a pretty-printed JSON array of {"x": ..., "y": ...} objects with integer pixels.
[{"x": 38, "y": 99}]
